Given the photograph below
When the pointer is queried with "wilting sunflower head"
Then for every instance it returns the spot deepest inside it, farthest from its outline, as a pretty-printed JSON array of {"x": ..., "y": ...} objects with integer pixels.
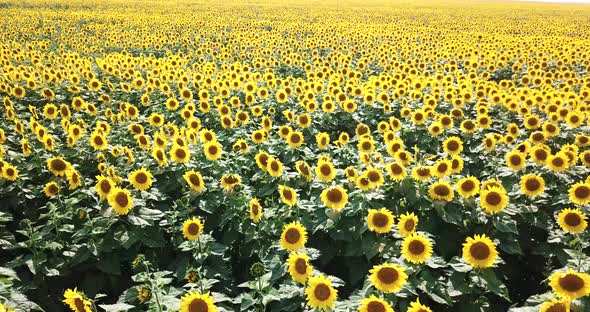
[
  {"x": 388, "y": 277},
  {"x": 570, "y": 285},
  {"x": 380, "y": 220},
  {"x": 572, "y": 220},
  {"x": 320, "y": 293},
  {"x": 479, "y": 251}
]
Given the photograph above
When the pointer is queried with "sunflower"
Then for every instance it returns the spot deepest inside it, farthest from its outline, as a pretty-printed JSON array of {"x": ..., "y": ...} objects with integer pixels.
[
  {"x": 295, "y": 139},
  {"x": 197, "y": 302},
  {"x": 103, "y": 186},
  {"x": 141, "y": 179},
  {"x": 467, "y": 187},
  {"x": 416, "y": 248},
  {"x": 334, "y": 197},
  {"x": 421, "y": 173},
  {"x": 322, "y": 140},
  {"x": 441, "y": 190},
  {"x": 4, "y": 308},
  {"x": 229, "y": 181},
  {"x": 212, "y": 150},
  {"x": 160, "y": 156},
  {"x": 441, "y": 168},
  {"x": 192, "y": 228},
  {"x": 288, "y": 195},
  {"x": 299, "y": 267},
  {"x": 380, "y": 220},
  {"x": 579, "y": 193},
  {"x": 325, "y": 170},
  {"x": 293, "y": 237},
  {"x": 572, "y": 220},
  {"x": 558, "y": 162},
  {"x": 320, "y": 293},
  {"x": 58, "y": 166},
  {"x": 304, "y": 170},
  {"x": 74, "y": 178},
  {"x": 453, "y": 145},
  {"x": 121, "y": 201},
  {"x": 180, "y": 154},
  {"x": 194, "y": 180},
  {"x": 366, "y": 145},
  {"x": 388, "y": 277},
  {"x": 98, "y": 141},
  {"x": 397, "y": 172},
  {"x": 363, "y": 183},
  {"x": 493, "y": 199},
  {"x": 479, "y": 251},
  {"x": 375, "y": 177},
  {"x": 555, "y": 305},
  {"x": 407, "y": 224},
  {"x": 51, "y": 189},
  {"x": 274, "y": 167},
  {"x": 76, "y": 301},
  {"x": 515, "y": 160},
  {"x": 570, "y": 285},
  {"x": 255, "y": 210},
  {"x": 532, "y": 185},
  {"x": 374, "y": 304},
  {"x": 9, "y": 172},
  {"x": 540, "y": 153}
]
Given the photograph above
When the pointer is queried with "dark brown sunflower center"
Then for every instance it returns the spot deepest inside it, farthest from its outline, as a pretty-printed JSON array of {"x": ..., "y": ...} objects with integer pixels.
[
  {"x": 532, "y": 184},
  {"x": 322, "y": 292},
  {"x": 479, "y": 251},
  {"x": 468, "y": 186},
  {"x": 255, "y": 209},
  {"x": 453, "y": 145},
  {"x": 375, "y": 306},
  {"x": 396, "y": 169},
  {"x": 180, "y": 153},
  {"x": 571, "y": 282},
  {"x": 287, "y": 194},
  {"x": 441, "y": 190},
  {"x": 295, "y": 138},
  {"x": 301, "y": 266},
  {"x": 423, "y": 172},
  {"x": 304, "y": 170},
  {"x": 416, "y": 247},
  {"x": 557, "y": 307},
  {"x": 122, "y": 200},
  {"x": 231, "y": 179},
  {"x": 493, "y": 198},
  {"x": 558, "y": 161},
  {"x": 515, "y": 160},
  {"x": 380, "y": 219},
  {"x": 572, "y": 219},
  {"x": 292, "y": 236},
  {"x": 105, "y": 186},
  {"x": 193, "y": 229},
  {"x": 334, "y": 195},
  {"x": 366, "y": 146},
  {"x": 213, "y": 150},
  {"x": 388, "y": 275},
  {"x": 325, "y": 169},
  {"x": 582, "y": 191},
  {"x": 141, "y": 178},
  {"x": 541, "y": 154},
  {"x": 409, "y": 225},
  {"x": 79, "y": 303},
  {"x": 442, "y": 168},
  {"x": 53, "y": 189},
  {"x": 58, "y": 165},
  {"x": 198, "y": 305}
]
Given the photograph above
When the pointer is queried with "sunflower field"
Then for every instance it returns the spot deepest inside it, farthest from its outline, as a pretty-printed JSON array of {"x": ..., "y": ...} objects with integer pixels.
[{"x": 306, "y": 155}]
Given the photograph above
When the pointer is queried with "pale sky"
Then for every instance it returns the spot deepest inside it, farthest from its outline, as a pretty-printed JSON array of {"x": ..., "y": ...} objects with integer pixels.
[{"x": 559, "y": 1}]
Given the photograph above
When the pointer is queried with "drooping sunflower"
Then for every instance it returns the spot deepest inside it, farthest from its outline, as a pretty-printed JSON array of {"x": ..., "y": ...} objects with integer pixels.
[
  {"x": 325, "y": 171},
  {"x": 197, "y": 302},
  {"x": 493, "y": 199},
  {"x": 579, "y": 193},
  {"x": 299, "y": 267},
  {"x": 453, "y": 145},
  {"x": 141, "y": 179},
  {"x": 192, "y": 228},
  {"x": 479, "y": 251},
  {"x": 380, "y": 220},
  {"x": 58, "y": 166},
  {"x": 468, "y": 187},
  {"x": 51, "y": 189},
  {"x": 274, "y": 167},
  {"x": 288, "y": 195},
  {"x": 194, "y": 179},
  {"x": 532, "y": 185},
  {"x": 374, "y": 304},
  {"x": 76, "y": 301},
  {"x": 180, "y": 154},
  {"x": 103, "y": 186},
  {"x": 74, "y": 178},
  {"x": 320, "y": 293},
  {"x": 441, "y": 190},
  {"x": 255, "y": 210},
  {"x": 407, "y": 224},
  {"x": 570, "y": 284},
  {"x": 388, "y": 277},
  {"x": 120, "y": 200},
  {"x": 294, "y": 236},
  {"x": 212, "y": 150},
  {"x": 515, "y": 160},
  {"x": 572, "y": 220},
  {"x": 416, "y": 248},
  {"x": 556, "y": 305},
  {"x": 229, "y": 181},
  {"x": 334, "y": 197}
]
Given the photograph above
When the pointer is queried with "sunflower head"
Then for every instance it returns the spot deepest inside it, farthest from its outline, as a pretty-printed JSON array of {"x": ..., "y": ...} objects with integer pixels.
[
  {"x": 320, "y": 293},
  {"x": 579, "y": 193},
  {"x": 532, "y": 185},
  {"x": 570, "y": 285},
  {"x": 416, "y": 306},
  {"x": 479, "y": 251},
  {"x": 388, "y": 277},
  {"x": 572, "y": 220},
  {"x": 416, "y": 248},
  {"x": 255, "y": 210},
  {"x": 493, "y": 199},
  {"x": 407, "y": 224},
  {"x": 288, "y": 195},
  {"x": 468, "y": 187},
  {"x": 380, "y": 220},
  {"x": 441, "y": 190},
  {"x": 141, "y": 179},
  {"x": 294, "y": 236},
  {"x": 299, "y": 267},
  {"x": 374, "y": 304},
  {"x": 192, "y": 228},
  {"x": 120, "y": 200},
  {"x": 334, "y": 197},
  {"x": 197, "y": 302},
  {"x": 76, "y": 301},
  {"x": 556, "y": 305}
]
